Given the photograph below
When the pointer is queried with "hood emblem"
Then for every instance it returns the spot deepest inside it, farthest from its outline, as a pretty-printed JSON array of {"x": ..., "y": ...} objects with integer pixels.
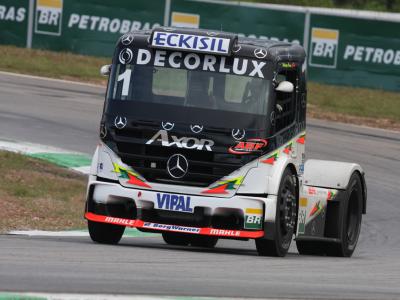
[
  {"x": 177, "y": 166},
  {"x": 167, "y": 125},
  {"x": 238, "y": 134},
  {"x": 196, "y": 128}
]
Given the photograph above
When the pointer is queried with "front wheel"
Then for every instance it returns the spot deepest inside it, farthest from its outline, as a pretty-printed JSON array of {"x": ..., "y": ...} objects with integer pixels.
[
  {"x": 285, "y": 219},
  {"x": 105, "y": 233}
]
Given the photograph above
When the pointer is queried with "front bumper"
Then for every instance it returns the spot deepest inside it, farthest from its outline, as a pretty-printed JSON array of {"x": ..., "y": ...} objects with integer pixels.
[{"x": 237, "y": 217}]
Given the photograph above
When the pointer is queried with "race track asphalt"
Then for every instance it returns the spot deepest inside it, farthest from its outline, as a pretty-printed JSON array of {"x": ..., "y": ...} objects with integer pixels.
[{"x": 67, "y": 115}]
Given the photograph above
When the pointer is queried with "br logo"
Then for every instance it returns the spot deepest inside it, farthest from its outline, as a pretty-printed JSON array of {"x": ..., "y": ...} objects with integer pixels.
[
  {"x": 48, "y": 17},
  {"x": 324, "y": 47}
]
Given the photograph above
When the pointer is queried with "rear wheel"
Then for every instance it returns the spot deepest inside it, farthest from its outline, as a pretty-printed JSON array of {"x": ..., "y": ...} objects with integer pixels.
[
  {"x": 285, "y": 219},
  {"x": 105, "y": 233},
  {"x": 204, "y": 241},
  {"x": 350, "y": 220},
  {"x": 177, "y": 239}
]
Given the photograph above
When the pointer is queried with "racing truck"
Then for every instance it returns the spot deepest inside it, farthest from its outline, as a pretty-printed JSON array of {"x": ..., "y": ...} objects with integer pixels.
[{"x": 202, "y": 138}]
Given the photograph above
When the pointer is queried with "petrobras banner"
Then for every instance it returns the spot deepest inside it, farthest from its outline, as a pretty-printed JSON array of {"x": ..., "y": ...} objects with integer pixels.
[
  {"x": 194, "y": 61},
  {"x": 91, "y": 27},
  {"x": 13, "y": 22},
  {"x": 354, "y": 51}
]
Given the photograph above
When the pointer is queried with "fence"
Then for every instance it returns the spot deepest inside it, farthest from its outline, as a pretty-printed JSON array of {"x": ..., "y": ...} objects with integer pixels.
[{"x": 344, "y": 47}]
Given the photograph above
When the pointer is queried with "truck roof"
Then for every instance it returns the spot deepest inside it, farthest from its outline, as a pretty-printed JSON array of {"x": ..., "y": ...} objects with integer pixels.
[{"x": 239, "y": 46}]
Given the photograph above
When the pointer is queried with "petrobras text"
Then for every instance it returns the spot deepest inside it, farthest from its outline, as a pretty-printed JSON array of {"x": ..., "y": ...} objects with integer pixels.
[
  {"x": 174, "y": 202},
  {"x": 206, "y": 44},
  {"x": 193, "y": 61}
]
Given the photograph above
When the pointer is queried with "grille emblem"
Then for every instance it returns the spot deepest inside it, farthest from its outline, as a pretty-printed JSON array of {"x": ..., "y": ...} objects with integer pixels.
[
  {"x": 120, "y": 122},
  {"x": 177, "y": 166},
  {"x": 167, "y": 125},
  {"x": 196, "y": 128},
  {"x": 238, "y": 134}
]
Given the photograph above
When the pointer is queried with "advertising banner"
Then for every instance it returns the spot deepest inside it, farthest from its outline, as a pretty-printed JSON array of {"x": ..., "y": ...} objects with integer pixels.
[
  {"x": 14, "y": 22},
  {"x": 93, "y": 26},
  {"x": 250, "y": 21},
  {"x": 351, "y": 51}
]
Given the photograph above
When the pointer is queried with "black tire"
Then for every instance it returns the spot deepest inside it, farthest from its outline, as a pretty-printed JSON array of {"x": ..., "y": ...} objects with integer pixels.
[
  {"x": 349, "y": 221},
  {"x": 105, "y": 233},
  {"x": 204, "y": 241},
  {"x": 177, "y": 239},
  {"x": 285, "y": 220}
]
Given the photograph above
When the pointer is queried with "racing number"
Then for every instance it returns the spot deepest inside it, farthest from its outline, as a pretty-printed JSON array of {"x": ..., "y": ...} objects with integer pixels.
[{"x": 126, "y": 78}]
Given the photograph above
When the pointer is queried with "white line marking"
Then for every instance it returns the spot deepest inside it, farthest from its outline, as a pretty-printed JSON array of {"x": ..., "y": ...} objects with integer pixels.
[
  {"x": 70, "y": 233},
  {"x": 50, "y": 79}
]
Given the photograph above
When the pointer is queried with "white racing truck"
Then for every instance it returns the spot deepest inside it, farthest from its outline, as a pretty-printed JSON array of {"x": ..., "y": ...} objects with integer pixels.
[{"x": 203, "y": 137}]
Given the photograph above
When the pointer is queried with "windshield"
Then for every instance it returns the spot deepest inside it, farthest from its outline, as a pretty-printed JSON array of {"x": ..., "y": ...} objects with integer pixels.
[{"x": 189, "y": 88}]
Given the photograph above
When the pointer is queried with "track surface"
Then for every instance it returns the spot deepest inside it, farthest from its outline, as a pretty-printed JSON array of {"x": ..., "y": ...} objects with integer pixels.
[{"x": 67, "y": 115}]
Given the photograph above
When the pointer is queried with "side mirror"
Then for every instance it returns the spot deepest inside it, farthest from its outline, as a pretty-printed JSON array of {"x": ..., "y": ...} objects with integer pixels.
[
  {"x": 105, "y": 70},
  {"x": 285, "y": 86}
]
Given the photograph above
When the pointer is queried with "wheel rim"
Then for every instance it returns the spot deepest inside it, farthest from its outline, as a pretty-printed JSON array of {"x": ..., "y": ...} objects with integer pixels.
[
  {"x": 352, "y": 218},
  {"x": 287, "y": 209}
]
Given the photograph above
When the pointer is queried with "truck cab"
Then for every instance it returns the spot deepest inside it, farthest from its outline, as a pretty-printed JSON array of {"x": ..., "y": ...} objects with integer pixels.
[{"x": 203, "y": 137}]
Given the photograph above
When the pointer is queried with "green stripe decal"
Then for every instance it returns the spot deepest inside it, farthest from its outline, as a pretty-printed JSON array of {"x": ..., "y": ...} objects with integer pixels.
[{"x": 66, "y": 160}]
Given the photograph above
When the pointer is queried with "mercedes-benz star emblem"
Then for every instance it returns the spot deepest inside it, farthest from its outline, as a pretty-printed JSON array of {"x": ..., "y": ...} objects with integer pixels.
[
  {"x": 120, "y": 122},
  {"x": 177, "y": 166},
  {"x": 127, "y": 39},
  {"x": 260, "y": 53},
  {"x": 196, "y": 128},
  {"x": 167, "y": 125},
  {"x": 238, "y": 134}
]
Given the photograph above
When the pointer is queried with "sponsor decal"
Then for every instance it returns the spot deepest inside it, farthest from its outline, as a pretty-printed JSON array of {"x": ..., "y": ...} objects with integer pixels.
[
  {"x": 331, "y": 195},
  {"x": 190, "y": 42},
  {"x": 180, "y": 142},
  {"x": 253, "y": 218},
  {"x": 223, "y": 186},
  {"x": 174, "y": 202},
  {"x": 303, "y": 202},
  {"x": 249, "y": 146},
  {"x": 185, "y": 20},
  {"x": 288, "y": 65},
  {"x": 312, "y": 191},
  {"x": 324, "y": 47},
  {"x": 176, "y": 228},
  {"x": 131, "y": 177},
  {"x": 171, "y": 227},
  {"x": 127, "y": 39},
  {"x": 193, "y": 61},
  {"x": 12, "y": 13},
  {"x": 120, "y": 221},
  {"x": 301, "y": 169},
  {"x": 316, "y": 209},
  {"x": 48, "y": 18},
  {"x": 288, "y": 148},
  {"x": 302, "y": 221},
  {"x": 103, "y": 131},
  {"x": 301, "y": 139},
  {"x": 270, "y": 160}
]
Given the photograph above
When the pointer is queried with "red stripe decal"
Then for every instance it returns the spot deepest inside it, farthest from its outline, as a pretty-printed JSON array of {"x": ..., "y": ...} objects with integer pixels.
[{"x": 175, "y": 228}]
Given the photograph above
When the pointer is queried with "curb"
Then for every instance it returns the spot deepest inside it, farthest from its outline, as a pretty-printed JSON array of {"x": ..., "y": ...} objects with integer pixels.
[{"x": 76, "y": 161}]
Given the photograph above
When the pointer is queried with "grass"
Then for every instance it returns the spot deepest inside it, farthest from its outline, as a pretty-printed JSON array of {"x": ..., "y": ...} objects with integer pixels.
[
  {"x": 35, "y": 194},
  {"x": 347, "y": 104}
]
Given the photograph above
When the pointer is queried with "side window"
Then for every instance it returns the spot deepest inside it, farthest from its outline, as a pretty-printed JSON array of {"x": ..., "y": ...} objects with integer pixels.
[{"x": 285, "y": 108}]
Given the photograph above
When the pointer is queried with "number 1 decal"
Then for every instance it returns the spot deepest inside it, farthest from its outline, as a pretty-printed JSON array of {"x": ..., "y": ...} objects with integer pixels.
[{"x": 126, "y": 78}]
